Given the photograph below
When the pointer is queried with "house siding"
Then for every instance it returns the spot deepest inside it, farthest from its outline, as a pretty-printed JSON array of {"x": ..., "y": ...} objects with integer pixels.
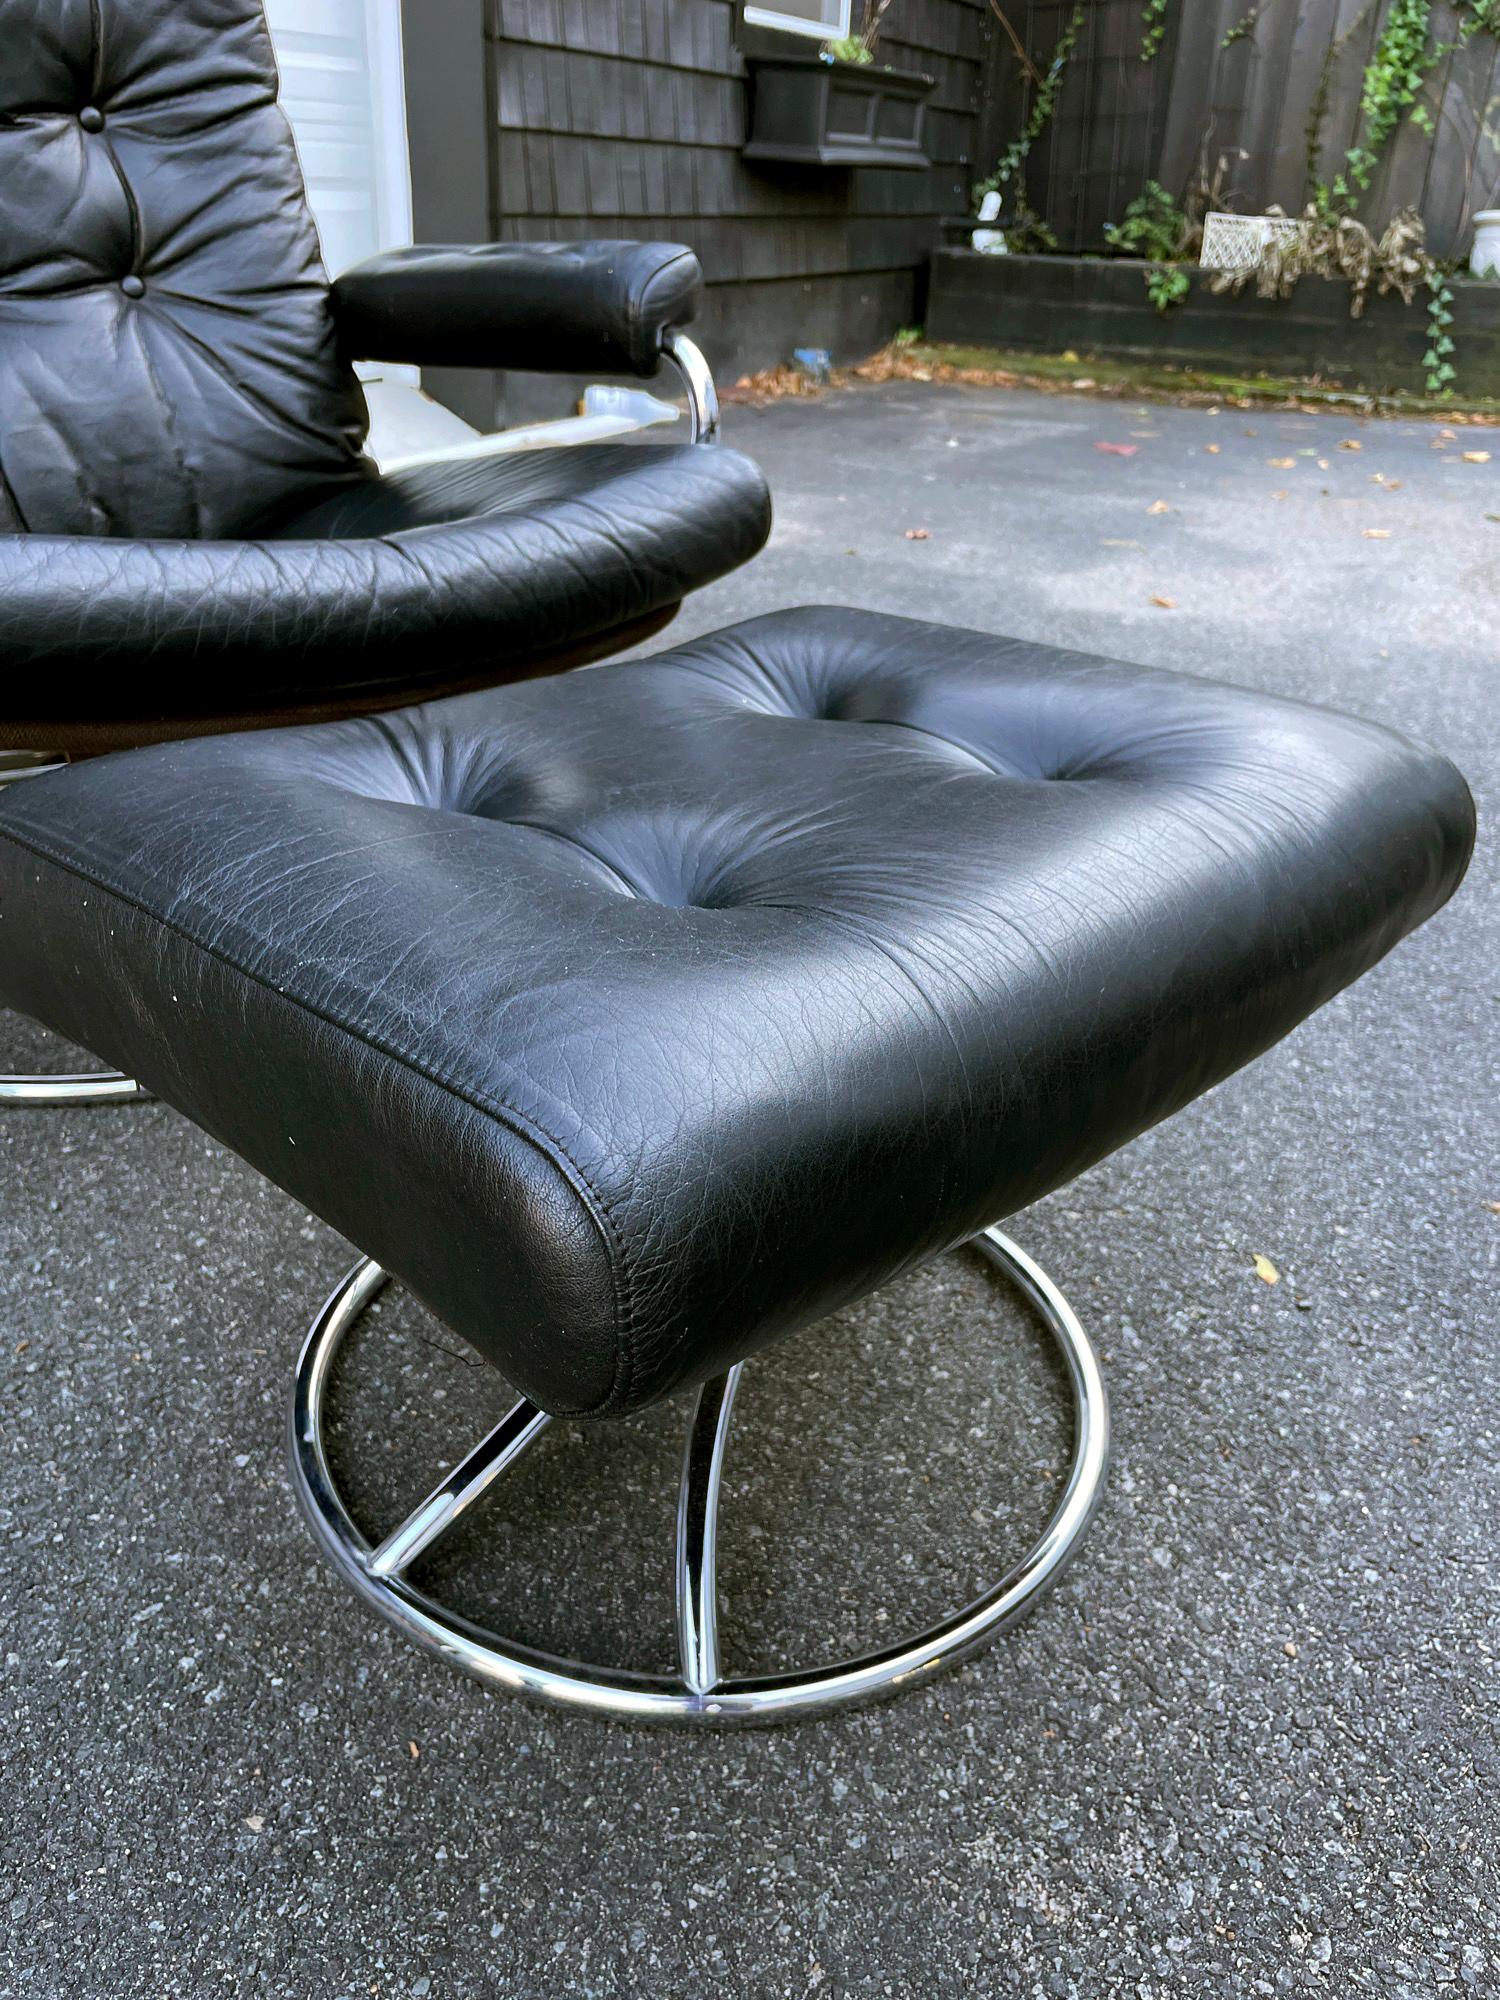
[{"x": 629, "y": 119}]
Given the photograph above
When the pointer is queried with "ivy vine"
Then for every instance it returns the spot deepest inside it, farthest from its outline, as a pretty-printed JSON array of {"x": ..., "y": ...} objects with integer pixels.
[
  {"x": 1402, "y": 62},
  {"x": 1153, "y": 28},
  {"x": 1403, "y": 57},
  {"x": 1438, "y": 360},
  {"x": 1244, "y": 27},
  {"x": 1014, "y": 156},
  {"x": 1156, "y": 229}
]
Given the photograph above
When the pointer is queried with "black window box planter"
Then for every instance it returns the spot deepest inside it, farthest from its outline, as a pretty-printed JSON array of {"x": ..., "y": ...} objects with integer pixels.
[{"x": 833, "y": 114}]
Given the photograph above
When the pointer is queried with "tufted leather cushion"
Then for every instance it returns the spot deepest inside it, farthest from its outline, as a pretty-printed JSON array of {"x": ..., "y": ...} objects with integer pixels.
[
  {"x": 635, "y": 1017},
  {"x": 168, "y": 362}
]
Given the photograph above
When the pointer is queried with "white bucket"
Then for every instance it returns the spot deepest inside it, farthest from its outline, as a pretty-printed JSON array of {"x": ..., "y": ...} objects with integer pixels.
[{"x": 1484, "y": 258}]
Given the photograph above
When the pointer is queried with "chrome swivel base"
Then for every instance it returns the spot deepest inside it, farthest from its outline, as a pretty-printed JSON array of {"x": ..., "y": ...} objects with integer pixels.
[
  {"x": 103, "y": 1087},
  {"x": 106, "y": 1086},
  {"x": 700, "y": 1692}
]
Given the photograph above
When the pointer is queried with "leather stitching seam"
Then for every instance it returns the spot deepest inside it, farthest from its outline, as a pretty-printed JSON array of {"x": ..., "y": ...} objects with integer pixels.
[{"x": 621, "y": 1287}]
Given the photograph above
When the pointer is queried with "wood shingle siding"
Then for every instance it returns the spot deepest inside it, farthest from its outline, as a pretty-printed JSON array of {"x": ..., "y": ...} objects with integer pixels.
[{"x": 627, "y": 119}]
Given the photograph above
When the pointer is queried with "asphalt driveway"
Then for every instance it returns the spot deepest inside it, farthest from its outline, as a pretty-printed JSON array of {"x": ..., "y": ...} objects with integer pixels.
[{"x": 1250, "y": 1745}]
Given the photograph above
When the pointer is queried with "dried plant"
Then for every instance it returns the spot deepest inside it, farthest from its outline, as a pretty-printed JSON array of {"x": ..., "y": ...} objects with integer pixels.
[
  {"x": 1208, "y": 193},
  {"x": 1339, "y": 246},
  {"x": 1329, "y": 245}
]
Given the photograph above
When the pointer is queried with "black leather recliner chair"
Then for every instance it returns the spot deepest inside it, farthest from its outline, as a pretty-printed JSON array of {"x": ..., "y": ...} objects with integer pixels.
[{"x": 192, "y": 539}]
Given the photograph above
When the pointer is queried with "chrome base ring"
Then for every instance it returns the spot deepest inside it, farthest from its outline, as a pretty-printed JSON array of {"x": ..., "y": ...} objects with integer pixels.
[
  {"x": 700, "y": 1692},
  {"x": 106, "y": 1086}
]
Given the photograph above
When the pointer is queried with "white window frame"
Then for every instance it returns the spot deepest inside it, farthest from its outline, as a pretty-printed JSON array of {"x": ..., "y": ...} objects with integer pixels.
[
  {"x": 388, "y": 82},
  {"x": 796, "y": 24}
]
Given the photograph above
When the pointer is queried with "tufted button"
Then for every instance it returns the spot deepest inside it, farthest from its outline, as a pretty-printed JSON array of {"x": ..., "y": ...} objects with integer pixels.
[
  {"x": 132, "y": 286},
  {"x": 91, "y": 118}
]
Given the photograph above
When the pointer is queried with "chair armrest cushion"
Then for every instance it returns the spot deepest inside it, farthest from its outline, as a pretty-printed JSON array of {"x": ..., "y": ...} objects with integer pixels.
[{"x": 559, "y": 308}]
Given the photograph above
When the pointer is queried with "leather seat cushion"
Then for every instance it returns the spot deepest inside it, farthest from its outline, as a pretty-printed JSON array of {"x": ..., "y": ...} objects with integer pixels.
[
  {"x": 634, "y": 1017},
  {"x": 402, "y": 582},
  {"x": 169, "y": 363}
]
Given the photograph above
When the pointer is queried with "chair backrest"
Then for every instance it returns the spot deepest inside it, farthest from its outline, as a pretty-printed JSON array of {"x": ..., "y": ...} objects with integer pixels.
[{"x": 168, "y": 365}]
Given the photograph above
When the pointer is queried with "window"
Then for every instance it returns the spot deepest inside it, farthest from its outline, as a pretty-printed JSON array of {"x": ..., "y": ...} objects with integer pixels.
[{"x": 827, "y": 19}]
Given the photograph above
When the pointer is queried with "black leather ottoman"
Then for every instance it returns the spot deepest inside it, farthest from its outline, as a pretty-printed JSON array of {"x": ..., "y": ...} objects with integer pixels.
[{"x": 634, "y": 1018}]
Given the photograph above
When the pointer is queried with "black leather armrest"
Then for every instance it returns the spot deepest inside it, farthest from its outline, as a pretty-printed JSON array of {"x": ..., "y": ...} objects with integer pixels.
[{"x": 562, "y": 308}]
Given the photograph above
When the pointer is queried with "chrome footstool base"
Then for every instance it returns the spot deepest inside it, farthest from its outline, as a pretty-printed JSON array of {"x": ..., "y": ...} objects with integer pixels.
[
  {"x": 106, "y": 1086},
  {"x": 700, "y": 1692},
  {"x": 103, "y": 1086}
]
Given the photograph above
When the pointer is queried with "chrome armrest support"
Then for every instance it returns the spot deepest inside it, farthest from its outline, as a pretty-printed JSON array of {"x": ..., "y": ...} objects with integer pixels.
[{"x": 702, "y": 397}]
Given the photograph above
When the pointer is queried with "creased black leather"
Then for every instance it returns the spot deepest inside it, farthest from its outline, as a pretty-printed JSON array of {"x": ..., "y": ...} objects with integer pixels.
[
  {"x": 634, "y": 1017},
  {"x": 168, "y": 361},
  {"x": 416, "y": 578},
  {"x": 188, "y": 528},
  {"x": 568, "y": 308}
]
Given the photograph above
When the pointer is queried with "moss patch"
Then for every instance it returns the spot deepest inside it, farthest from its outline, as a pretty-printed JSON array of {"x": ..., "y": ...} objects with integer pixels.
[
  {"x": 1072, "y": 373},
  {"x": 1095, "y": 375}
]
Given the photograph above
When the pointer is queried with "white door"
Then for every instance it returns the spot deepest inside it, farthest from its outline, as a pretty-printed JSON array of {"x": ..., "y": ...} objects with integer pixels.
[{"x": 341, "y": 86}]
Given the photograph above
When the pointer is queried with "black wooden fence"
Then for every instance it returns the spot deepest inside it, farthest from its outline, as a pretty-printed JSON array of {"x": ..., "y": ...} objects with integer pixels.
[{"x": 1279, "y": 99}]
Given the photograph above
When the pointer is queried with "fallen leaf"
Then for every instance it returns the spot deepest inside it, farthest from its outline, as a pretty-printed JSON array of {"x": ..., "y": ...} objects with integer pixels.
[
  {"x": 1282, "y": 464},
  {"x": 1377, "y": 534},
  {"x": 414, "y": 1750},
  {"x": 255, "y": 1823},
  {"x": 1068, "y": 354},
  {"x": 1158, "y": 507},
  {"x": 1322, "y": 465},
  {"x": 1213, "y": 449},
  {"x": 1493, "y": 1207},
  {"x": 1281, "y": 494},
  {"x": 1290, "y": 1649},
  {"x": 1165, "y": 603},
  {"x": 919, "y": 534},
  {"x": 1350, "y": 444},
  {"x": 1476, "y": 458},
  {"x": 1118, "y": 450},
  {"x": 1265, "y": 1270}
]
